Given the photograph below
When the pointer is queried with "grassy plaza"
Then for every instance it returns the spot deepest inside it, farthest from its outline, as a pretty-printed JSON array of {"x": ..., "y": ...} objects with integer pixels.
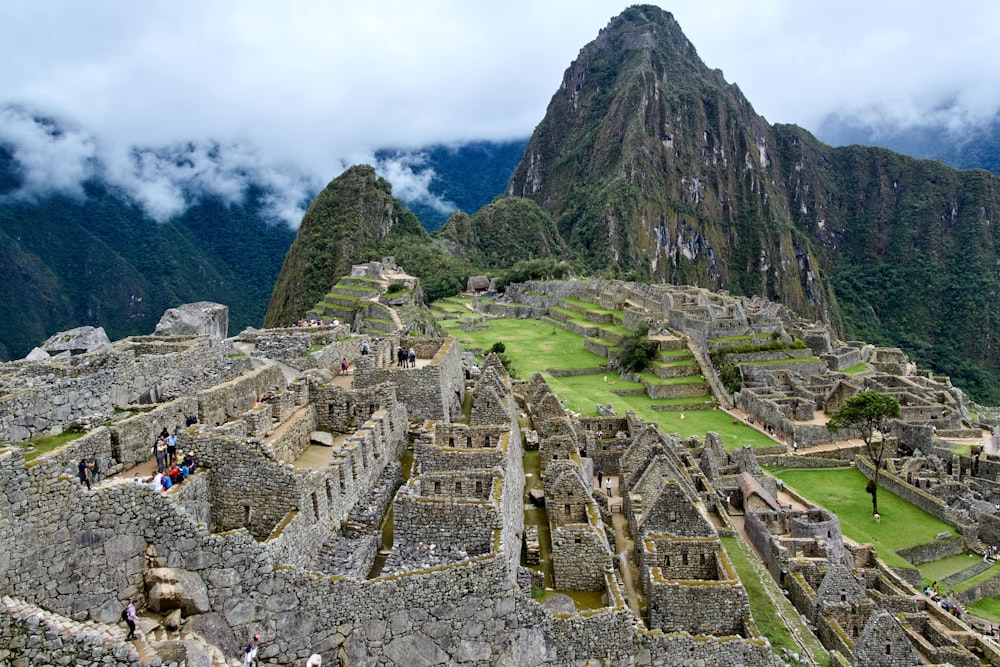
[{"x": 535, "y": 346}]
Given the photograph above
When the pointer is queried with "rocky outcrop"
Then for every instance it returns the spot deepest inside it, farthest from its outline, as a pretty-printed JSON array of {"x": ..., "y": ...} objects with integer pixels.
[
  {"x": 170, "y": 588},
  {"x": 77, "y": 341},
  {"x": 202, "y": 318}
]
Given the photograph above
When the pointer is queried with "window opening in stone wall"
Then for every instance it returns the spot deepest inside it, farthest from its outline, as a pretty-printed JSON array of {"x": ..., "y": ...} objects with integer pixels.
[
  {"x": 468, "y": 441},
  {"x": 315, "y": 505},
  {"x": 437, "y": 487},
  {"x": 888, "y": 649},
  {"x": 486, "y": 441},
  {"x": 247, "y": 514},
  {"x": 854, "y": 631},
  {"x": 568, "y": 509},
  {"x": 451, "y": 442},
  {"x": 684, "y": 559},
  {"x": 479, "y": 488},
  {"x": 702, "y": 559},
  {"x": 843, "y": 596},
  {"x": 458, "y": 488},
  {"x": 579, "y": 540},
  {"x": 329, "y": 493}
]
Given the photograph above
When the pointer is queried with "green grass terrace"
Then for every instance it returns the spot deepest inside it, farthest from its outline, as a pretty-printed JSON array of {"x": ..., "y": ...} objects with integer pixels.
[{"x": 535, "y": 346}]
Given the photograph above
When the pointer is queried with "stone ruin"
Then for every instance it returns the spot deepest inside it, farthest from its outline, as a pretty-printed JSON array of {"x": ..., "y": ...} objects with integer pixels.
[{"x": 406, "y": 540}]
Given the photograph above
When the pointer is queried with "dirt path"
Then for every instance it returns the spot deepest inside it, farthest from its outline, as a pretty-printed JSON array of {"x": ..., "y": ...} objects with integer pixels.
[{"x": 625, "y": 547}]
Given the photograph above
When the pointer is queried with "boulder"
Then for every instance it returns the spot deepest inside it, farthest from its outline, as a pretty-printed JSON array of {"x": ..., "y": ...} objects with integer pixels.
[
  {"x": 202, "y": 318},
  {"x": 214, "y": 629},
  {"x": 37, "y": 354},
  {"x": 559, "y": 603},
  {"x": 170, "y": 588},
  {"x": 321, "y": 438},
  {"x": 77, "y": 341}
]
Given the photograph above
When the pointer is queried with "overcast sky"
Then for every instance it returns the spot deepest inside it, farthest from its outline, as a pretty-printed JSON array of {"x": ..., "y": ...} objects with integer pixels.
[{"x": 317, "y": 86}]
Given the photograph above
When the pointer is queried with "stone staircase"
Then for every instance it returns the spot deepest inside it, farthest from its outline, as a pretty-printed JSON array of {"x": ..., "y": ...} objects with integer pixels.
[
  {"x": 153, "y": 644},
  {"x": 159, "y": 644}
]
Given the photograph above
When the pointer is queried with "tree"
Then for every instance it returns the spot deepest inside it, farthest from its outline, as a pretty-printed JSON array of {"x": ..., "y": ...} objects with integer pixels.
[
  {"x": 637, "y": 350},
  {"x": 868, "y": 413}
]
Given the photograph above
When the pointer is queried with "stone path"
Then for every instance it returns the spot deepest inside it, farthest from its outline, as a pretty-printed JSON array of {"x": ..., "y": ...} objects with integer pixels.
[
  {"x": 952, "y": 580},
  {"x": 624, "y": 545}
]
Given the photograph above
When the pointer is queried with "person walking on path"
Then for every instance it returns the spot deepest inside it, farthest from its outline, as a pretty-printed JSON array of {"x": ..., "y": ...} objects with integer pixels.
[
  {"x": 600, "y": 476},
  {"x": 607, "y": 485},
  {"x": 129, "y": 616}
]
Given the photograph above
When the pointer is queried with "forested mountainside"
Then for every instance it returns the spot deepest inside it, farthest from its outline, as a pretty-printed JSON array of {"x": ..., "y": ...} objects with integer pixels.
[
  {"x": 463, "y": 177},
  {"x": 347, "y": 220},
  {"x": 100, "y": 260}
]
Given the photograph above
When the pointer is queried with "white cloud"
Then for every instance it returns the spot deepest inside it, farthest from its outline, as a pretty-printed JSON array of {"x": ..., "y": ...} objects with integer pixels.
[{"x": 314, "y": 85}]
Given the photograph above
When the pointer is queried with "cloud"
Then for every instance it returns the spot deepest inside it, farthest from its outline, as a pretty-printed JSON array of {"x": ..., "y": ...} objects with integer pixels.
[
  {"x": 163, "y": 180},
  {"x": 52, "y": 159},
  {"x": 311, "y": 86}
]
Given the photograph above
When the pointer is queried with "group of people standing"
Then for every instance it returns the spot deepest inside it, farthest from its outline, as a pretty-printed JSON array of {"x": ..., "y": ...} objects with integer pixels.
[
  {"x": 172, "y": 466},
  {"x": 90, "y": 471},
  {"x": 406, "y": 359}
]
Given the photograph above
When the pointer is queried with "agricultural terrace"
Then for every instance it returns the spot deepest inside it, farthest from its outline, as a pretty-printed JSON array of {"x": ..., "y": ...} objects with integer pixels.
[{"x": 538, "y": 346}]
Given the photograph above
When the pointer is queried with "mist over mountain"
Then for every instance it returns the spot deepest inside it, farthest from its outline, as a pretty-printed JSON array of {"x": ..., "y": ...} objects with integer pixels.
[
  {"x": 456, "y": 177},
  {"x": 90, "y": 234},
  {"x": 952, "y": 138}
]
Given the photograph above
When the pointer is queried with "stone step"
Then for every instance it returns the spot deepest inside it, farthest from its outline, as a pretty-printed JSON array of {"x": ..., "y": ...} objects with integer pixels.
[{"x": 966, "y": 574}]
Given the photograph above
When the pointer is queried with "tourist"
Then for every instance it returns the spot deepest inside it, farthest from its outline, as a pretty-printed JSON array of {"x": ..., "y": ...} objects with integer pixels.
[
  {"x": 600, "y": 476},
  {"x": 157, "y": 482},
  {"x": 171, "y": 449},
  {"x": 343, "y": 366},
  {"x": 413, "y": 358},
  {"x": 400, "y": 356},
  {"x": 250, "y": 654},
  {"x": 160, "y": 451},
  {"x": 191, "y": 420},
  {"x": 166, "y": 482},
  {"x": 364, "y": 349},
  {"x": 83, "y": 470},
  {"x": 96, "y": 471},
  {"x": 607, "y": 485},
  {"x": 189, "y": 462},
  {"x": 129, "y": 616},
  {"x": 137, "y": 479}
]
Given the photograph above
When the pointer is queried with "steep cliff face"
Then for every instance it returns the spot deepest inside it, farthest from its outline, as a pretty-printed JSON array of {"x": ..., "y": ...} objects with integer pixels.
[
  {"x": 651, "y": 162},
  {"x": 910, "y": 247},
  {"x": 342, "y": 226}
]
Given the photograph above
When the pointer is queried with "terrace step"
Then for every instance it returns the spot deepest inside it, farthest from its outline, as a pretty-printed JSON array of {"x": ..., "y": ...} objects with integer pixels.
[{"x": 966, "y": 574}]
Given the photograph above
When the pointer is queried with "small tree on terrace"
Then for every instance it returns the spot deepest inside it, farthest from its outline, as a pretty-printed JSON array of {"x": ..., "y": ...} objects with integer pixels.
[
  {"x": 637, "y": 350},
  {"x": 868, "y": 413}
]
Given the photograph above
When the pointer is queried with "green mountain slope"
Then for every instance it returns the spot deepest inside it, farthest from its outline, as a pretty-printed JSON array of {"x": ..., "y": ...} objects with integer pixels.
[
  {"x": 653, "y": 167},
  {"x": 344, "y": 225},
  {"x": 100, "y": 261}
]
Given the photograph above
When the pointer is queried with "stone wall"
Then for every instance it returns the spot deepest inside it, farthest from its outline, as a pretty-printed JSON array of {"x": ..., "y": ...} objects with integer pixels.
[
  {"x": 293, "y": 437},
  {"x": 434, "y": 391},
  {"x": 32, "y": 636},
  {"x": 580, "y": 557}
]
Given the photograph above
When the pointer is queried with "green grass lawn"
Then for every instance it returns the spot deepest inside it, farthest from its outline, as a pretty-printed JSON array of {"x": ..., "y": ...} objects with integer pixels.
[
  {"x": 43, "y": 444},
  {"x": 534, "y": 346},
  {"x": 945, "y": 567},
  {"x": 987, "y": 608},
  {"x": 842, "y": 491},
  {"x": 762, "y": 604}
]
